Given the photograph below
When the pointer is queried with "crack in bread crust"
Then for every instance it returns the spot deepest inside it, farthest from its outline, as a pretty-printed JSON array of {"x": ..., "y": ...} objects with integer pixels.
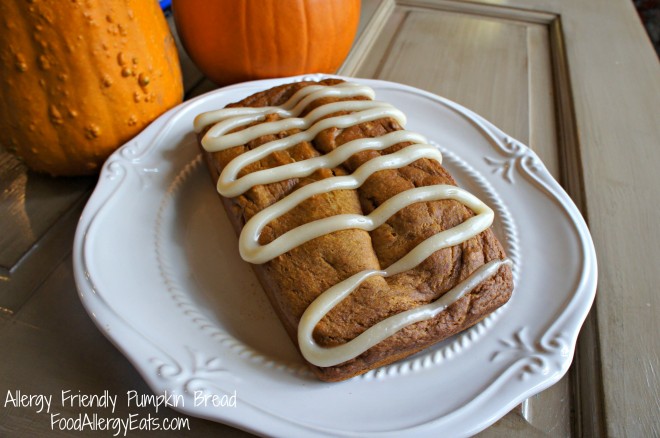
[{"x": 293, "y": 280}]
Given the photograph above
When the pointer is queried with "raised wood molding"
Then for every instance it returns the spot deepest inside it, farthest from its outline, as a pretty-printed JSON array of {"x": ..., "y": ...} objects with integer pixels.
[
  {"x": 574, "y": 405},
  {"x": 593, "y": 63},
  {"x": 368, "y": 38},
  {"x": 586, "y": 372},
  {"x": 483, "y": 9}
]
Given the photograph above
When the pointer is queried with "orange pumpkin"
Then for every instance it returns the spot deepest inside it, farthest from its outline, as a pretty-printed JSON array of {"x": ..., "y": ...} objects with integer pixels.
[
  {"x": 80, "y": 78},
  {"x": 233, "y": 41}
]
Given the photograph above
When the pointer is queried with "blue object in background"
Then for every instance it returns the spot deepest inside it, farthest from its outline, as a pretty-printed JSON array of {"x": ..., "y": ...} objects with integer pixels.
[{"x": 166, "y": 7}]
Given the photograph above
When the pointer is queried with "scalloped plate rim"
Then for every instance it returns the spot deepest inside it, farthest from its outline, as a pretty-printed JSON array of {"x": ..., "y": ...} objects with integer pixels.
[{"x": 113, "y": 325}]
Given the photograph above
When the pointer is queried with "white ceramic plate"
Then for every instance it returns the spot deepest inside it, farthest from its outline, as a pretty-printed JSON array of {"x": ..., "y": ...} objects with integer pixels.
[{"x": 157, "y": 268}]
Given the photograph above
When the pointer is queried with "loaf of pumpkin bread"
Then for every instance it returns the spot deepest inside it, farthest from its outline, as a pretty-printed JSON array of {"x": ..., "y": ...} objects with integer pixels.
[{"x": 296, "y": 278}]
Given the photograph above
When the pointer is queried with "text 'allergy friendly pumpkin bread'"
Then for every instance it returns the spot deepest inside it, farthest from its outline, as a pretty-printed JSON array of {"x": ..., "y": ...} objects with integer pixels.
[{"x": 365, "y": 246}]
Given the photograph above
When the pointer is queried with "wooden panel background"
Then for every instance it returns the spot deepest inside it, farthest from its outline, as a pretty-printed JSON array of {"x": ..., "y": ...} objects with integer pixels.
[
  {"x": 577, "y": 81},
  {"x": 499, "y": 63}
]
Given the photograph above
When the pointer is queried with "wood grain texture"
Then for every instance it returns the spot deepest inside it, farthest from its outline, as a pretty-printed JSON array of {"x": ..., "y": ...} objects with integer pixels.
[
  {"x": 31, "y": 203},
  {"x": 615, "y": 79},
  {"x": 499, "y": 63},
  {"x": 55, "y": 346},
  {"x": 35, "y": 209},
  {"x": 602, "y": 82},
  {"x": 584, "y": 92}
]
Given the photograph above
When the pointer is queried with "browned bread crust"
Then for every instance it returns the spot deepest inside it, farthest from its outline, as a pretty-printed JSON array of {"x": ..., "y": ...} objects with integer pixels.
[{"x": 293, "y": 280}]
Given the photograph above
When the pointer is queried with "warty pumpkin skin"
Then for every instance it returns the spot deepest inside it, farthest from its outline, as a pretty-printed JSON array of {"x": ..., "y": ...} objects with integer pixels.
[
  {"x": 80, "y": 78},
  {"x": 233, "y": 41}
]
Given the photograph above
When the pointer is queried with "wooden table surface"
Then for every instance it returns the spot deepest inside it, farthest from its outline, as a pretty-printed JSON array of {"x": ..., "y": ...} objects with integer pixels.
[{"x": 578, "y": 81}]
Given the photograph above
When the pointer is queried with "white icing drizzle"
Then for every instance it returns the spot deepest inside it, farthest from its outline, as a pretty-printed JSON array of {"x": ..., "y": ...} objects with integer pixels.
[
  {"x": 325, "y": 357},
  {"x": 219, "y": 137},
  {"x": 291, "y": 108},
  {"x": 230, "y": 186},
  {"x": 253, "y": 252}
]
